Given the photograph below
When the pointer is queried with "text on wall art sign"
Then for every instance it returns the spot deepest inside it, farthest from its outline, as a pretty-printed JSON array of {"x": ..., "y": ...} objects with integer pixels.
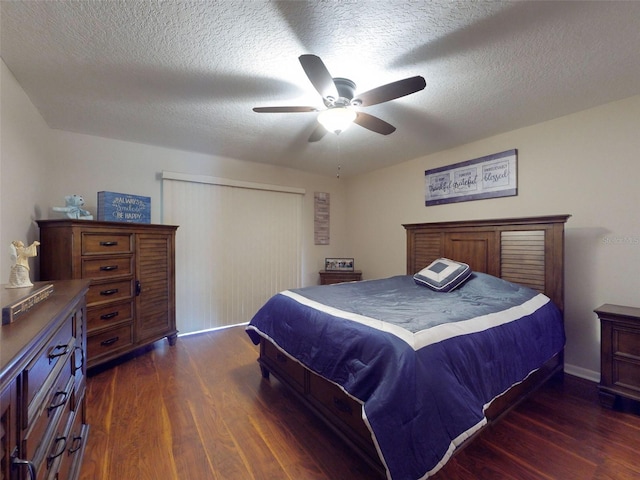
[{"x": 485, "y": 177}]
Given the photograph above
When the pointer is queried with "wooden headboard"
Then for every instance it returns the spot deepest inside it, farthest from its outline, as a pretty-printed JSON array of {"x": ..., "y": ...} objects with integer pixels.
[{"x": 528, "y": 251}]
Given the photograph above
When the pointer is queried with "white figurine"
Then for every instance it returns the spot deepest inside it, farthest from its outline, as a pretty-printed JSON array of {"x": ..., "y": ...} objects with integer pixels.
[{"x": 19, "y": 275}]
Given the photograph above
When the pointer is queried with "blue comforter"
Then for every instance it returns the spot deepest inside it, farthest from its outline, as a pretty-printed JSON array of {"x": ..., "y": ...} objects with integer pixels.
[{"x": 424, "y": 365}]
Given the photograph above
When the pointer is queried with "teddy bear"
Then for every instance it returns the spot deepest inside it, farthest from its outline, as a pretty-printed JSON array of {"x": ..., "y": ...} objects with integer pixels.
[{"x": 73, "y": 208}]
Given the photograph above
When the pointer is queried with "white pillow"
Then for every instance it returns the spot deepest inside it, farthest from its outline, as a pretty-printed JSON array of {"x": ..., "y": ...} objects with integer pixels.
[{"x": 443, "y": 275}]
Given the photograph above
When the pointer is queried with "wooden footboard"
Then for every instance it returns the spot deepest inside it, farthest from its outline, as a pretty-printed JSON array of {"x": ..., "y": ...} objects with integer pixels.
[{"x": 335, "y": 408}]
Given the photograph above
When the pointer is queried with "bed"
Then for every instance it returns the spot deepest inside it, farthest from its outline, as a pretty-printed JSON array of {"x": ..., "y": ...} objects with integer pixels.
[{"x": 406, "y": 375}]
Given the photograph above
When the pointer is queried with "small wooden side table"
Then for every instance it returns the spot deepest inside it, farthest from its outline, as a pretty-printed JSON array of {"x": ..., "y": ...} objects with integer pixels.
[
  {"x": 329, "y": 278},
  {"x": 620, "y": 353}
]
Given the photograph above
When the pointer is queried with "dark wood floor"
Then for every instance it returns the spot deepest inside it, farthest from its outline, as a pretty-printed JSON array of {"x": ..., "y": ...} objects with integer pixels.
[{"x": 200, "y": 410}]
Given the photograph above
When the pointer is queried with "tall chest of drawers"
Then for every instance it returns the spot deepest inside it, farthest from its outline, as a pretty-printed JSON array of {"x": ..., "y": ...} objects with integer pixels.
[
  {"x": 43, "y": 430},
  {"x": 131, "y": 300}
]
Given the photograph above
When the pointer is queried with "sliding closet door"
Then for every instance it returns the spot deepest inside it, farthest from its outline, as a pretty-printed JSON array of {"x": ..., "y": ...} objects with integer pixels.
[{"x": 235, "y": 247}]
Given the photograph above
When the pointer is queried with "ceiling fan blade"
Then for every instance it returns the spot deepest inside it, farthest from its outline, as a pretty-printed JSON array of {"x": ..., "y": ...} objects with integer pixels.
[
  {"x": 390, "y": 91},
  {"x": 374, "y": 124},
  {"x": 317, "y": 133},
  {"x": 284, "y": 109},
  {"x": 319, "y": 76}
]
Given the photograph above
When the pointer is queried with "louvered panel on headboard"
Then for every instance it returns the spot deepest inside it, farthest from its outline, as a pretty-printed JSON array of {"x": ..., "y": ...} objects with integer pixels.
[
  {"x": 428, "y": 247},
  {"x": 522, "y": 258}
]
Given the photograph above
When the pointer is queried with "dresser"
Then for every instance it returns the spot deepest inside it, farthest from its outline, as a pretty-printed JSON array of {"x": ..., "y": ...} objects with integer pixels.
[
  {"x": 131, "y": 299},
  {"x": 620, "y": 353},
  {"x": 331, "y": 277},
  {"x": 43, "y": 430}
]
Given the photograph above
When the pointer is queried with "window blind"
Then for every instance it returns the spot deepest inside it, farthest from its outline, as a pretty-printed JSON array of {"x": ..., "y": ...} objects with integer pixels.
[{"x": 237, "y": 244}]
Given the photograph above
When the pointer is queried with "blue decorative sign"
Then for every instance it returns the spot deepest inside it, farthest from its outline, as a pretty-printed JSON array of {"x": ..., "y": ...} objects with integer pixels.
[
  {"x": 123, "y": 207},
  {"x": 485, "y": 177}
]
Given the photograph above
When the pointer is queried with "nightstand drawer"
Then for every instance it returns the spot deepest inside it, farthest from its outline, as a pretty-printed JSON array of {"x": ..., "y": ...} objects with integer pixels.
[
  {"x": 106, "y": 243},
  {"x": 330, "y": 277},
  {"x": 626, "y": 342},
  {"x": 626, "y": 375},
  {"x": 106, "y": 267}
]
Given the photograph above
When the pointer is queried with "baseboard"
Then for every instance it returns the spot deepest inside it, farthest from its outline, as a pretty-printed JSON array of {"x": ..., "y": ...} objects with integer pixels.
[{"x": 580, "y": 372}]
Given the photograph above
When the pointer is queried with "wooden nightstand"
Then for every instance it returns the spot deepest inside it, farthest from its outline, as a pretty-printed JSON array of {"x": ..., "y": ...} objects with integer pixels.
[
  {"x": 329, "y": 278},
  {"x": 620, "y": 353}
]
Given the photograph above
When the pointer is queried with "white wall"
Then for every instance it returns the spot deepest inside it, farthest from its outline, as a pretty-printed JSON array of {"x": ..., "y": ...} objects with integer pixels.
[
  {"x": 40, "y": 166},
  {"x": 24, "y": 156},
  {"x": 585, "y": 164}
]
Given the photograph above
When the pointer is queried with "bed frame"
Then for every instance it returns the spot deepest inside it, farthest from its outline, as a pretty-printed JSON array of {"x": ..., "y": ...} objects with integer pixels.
[{"x": 528, "y": 251}]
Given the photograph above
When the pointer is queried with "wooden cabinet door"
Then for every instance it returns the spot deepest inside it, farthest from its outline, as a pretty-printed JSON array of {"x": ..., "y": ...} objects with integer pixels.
[{"x": 155, "y": 287}]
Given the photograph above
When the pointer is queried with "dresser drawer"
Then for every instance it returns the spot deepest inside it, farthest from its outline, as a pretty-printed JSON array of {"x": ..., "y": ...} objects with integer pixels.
[
  {"x": 75, "y": 441},
  {"x": 105, "y": 267},
  {"x": 106, "y": 243},
  {"x": 109, "y": 341},
  {"x": 292, "y": 369},
  {"x": 51, "y": 421},
  {"x": 60, "y": 441},
  {"x": 108, "y": 315},
  {"x": 330, "y": 397},
  {"x": 43, "y": 370},
  {"x": 109, "y": 292}
]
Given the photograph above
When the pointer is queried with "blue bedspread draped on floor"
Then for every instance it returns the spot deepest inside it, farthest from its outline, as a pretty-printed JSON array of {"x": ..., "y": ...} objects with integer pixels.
[{"x": 425, "y": 365}]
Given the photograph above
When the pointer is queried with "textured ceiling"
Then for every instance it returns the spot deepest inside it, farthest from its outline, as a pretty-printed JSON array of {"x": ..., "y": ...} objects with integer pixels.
[{"x": 186, "y": 74}]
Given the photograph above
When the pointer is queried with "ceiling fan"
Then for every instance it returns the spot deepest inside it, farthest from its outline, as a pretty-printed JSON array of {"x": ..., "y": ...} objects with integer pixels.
[{"x": 338, "y": 95}]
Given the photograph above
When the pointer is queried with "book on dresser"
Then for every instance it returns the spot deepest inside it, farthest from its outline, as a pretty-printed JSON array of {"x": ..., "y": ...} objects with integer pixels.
[{"x": 131, "y": 299}]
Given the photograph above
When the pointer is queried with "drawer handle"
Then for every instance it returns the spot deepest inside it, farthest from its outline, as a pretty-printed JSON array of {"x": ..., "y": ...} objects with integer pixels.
[
  {"x": 59, "y": 441},
  {"x": 109, "y": 316},
  {"x": 282, "y": 358},
  {"x": 108, "y": 244},
  {"x": 63, "y": 395},
  {"x": 77, "y": 367},
  {"x": 76, "y": 444},
  {"x": 341, "y": 405},
  {"x": 108, "y": 268},
  {"x": 111, "y": 291},
  {"x": 111, "y": 341},
  {"x": 58, "y": 351},
  {"x": 28, "y": 464}
]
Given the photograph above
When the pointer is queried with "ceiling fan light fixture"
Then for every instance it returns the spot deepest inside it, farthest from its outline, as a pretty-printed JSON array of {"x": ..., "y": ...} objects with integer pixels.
[{"x": 337, "y": 119}]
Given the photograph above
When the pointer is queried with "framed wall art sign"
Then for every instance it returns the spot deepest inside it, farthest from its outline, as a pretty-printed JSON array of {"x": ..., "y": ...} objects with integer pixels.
[
  {"x": 338, "y": 264},
  {"x": 124, "y": 207},
  {"x": 321, "y": 215},
  {"x": 485, "y": 177}
]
